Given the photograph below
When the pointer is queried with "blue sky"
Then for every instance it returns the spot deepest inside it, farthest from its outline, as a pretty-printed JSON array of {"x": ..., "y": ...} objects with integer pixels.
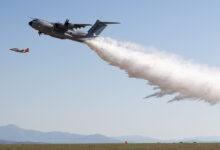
[{"x": 63, "y": 85}]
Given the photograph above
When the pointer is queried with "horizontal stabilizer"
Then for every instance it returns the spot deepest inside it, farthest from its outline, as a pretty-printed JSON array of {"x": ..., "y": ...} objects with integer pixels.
[{"x": 110, "y": 22}]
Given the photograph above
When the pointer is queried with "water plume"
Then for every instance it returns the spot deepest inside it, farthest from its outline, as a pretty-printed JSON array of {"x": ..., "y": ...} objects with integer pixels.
[{"x": 169, "y": 74}]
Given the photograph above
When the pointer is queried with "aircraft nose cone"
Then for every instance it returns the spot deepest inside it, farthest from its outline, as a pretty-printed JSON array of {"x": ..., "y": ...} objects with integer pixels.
[{"x": 30, "y": 23}]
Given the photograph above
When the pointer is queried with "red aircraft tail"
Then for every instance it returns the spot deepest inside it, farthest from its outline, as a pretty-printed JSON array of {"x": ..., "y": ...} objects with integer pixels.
[{"x": 27, "y": 50}]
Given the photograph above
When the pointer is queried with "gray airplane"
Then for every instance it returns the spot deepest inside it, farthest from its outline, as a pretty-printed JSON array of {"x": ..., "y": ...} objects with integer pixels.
[{"x": 68, "y": 30}]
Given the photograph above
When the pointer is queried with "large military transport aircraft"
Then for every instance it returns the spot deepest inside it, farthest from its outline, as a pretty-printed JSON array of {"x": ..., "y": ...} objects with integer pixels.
[{"x": 68, "y": 30}]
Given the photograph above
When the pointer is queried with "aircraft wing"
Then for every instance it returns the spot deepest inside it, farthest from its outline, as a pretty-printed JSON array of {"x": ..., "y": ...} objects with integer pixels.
[{"x": 80, "y": 25}]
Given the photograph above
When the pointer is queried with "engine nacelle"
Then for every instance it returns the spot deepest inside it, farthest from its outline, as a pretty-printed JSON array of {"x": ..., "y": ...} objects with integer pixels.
[{"x": 60, "y": 26}]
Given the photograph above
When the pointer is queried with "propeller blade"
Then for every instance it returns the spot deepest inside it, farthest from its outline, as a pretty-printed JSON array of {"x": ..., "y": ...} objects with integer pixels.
[
  {"x": 39, "y": 33},
  {"x": 66, "y": 22}
]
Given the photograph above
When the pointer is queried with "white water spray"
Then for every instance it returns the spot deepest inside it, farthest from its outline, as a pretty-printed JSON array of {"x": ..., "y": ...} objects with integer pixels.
[{"x": 168, "y": 73}]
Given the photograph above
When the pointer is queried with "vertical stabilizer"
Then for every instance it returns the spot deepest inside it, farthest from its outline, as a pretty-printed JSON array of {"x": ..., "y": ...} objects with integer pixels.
[
  {"x": 27, "y": 50},
  {"x": 98, "y": 27}
]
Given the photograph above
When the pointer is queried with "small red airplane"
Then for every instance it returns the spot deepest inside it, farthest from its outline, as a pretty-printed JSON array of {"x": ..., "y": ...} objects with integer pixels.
[{"x": 20, "y": 50}]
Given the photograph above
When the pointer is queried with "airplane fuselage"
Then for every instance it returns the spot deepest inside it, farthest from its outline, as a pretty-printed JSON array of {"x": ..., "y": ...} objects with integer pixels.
[
  {"x": 48, "y": 28},
  {"x": 20, "y": 50},
  {"x": 67, "y": 30}
]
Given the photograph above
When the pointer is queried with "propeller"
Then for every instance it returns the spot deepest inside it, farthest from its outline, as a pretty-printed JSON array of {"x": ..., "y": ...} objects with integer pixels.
[
  {"x": 66, "y": 24},
  {"x": 39, "y": 33}
]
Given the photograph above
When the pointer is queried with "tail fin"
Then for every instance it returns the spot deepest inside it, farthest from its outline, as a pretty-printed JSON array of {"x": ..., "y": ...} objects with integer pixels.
[
  {"x": 27, "y": 50},
  {"x": 98, "y": 27}
]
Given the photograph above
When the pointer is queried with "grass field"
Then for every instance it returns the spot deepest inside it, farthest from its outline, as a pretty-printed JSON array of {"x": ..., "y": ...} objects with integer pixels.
[{"x": 159, "y": 146}]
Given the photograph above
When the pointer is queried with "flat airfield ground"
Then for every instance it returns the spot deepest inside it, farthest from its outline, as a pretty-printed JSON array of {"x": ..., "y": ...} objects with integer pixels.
[{"x": 156, "y": 146}]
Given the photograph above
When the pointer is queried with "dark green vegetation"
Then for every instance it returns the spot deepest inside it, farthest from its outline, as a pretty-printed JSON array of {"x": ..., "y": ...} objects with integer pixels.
[{"x": 158, "y": 146}]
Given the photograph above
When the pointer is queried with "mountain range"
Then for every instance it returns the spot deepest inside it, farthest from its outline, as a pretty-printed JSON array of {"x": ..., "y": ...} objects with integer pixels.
[{"x": 16, "y": 135}]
